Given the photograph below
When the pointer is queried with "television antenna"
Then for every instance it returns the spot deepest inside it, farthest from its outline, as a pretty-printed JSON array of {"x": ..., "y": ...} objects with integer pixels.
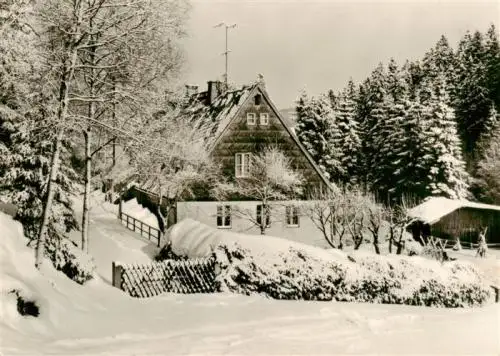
[{"x": 226, "y": 52}]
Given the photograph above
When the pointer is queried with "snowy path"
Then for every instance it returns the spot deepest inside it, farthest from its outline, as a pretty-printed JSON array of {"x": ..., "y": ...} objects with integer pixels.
[{"x": 110, "y": 241}]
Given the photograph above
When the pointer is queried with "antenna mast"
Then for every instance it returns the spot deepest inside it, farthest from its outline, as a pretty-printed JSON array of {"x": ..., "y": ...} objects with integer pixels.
[{"x": 226, "y": 52}]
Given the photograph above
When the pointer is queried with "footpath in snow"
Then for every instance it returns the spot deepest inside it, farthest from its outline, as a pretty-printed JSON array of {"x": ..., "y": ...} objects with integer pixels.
[{"x": 110, "y": 240}]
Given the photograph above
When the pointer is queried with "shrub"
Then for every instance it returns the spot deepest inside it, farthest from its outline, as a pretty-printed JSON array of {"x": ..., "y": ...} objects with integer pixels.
[
  {"x": 298, "y": 274},
  {"x": 73, "y": 262},
  {"x": 167, "y": 253},
  {"x": 25, "y": 307}
]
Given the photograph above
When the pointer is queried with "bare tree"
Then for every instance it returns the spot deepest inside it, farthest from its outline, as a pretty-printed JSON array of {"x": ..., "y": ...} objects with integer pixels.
[
  {"x": 64, "y": 36},
  {"x": 399, "y": 220},
  {"x": 171, "y": 161},
  {"x": 376, "y": 217},
  {"x": 269, "y": 179},
  {"x": 326, "y": 212},
  {"x": 482, "y": 249}
]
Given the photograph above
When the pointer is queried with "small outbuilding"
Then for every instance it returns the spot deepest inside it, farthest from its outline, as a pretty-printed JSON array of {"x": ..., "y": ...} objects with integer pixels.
[{"x": 451, "y": 218}]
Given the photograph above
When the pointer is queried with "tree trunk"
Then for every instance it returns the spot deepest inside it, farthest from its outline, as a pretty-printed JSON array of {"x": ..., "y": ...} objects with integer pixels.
[
  {"x": 62, "y": 111},
  {"x": 54, "y": 169},
  {"x": 375, "y": 243},
  {"x": 391, "y": 238},
  {"x": 88, "y": 139},
  {"x": 358, "y": 241},
  {"x": 86, "y": 193}
]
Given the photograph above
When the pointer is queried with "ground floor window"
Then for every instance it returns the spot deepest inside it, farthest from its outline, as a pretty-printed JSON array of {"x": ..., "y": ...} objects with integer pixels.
[
  {"x": 263, "y": 212},
  {"x": 224, "y": 216},
  {"x": 292, "y": 216}
]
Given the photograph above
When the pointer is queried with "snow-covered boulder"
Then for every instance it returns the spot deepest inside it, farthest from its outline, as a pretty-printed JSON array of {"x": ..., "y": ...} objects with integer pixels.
[{"x": 194, "y": 239}]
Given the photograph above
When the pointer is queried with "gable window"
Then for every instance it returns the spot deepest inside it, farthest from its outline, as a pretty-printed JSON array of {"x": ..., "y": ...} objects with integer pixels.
[
  {"x": 251, "y": 118},
  {"x": 242, "y": 164},
  {"x": 257, "y": 99},
  {"x": 261, "y": 213},
  {"x": 224, "y": 216},
  {"x": 264, "y": 119},
  {"x": 292, "y": 216}
]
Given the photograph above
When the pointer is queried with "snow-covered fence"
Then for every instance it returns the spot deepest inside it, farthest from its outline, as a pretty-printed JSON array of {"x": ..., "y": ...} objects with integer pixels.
[
  {"x": 149, "y": 280},
  {"x": 144, "y": 229}
]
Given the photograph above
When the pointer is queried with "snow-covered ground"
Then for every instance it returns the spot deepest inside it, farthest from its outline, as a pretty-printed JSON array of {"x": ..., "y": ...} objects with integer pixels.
[
  {"x": 134, "y": 209},
  {"x": 109, "y": 240},
  {"x": 97, "y": 319}
]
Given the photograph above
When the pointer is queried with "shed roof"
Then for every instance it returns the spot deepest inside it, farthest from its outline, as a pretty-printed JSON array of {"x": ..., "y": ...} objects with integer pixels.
[{"x": 435, "y": 208}]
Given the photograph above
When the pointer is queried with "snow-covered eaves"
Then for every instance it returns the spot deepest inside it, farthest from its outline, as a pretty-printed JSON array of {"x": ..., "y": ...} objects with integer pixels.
[{"x": 435, "y": 208}]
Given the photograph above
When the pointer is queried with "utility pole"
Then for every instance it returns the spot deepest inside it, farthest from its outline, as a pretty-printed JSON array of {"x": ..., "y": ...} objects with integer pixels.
[{"x": 226, "y": 52}]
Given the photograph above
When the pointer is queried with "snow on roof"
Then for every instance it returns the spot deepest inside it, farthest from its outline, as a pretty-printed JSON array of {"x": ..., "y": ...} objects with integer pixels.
[
  {"x": 433, "y": 209},
  {"x": 213, "y": 119}
]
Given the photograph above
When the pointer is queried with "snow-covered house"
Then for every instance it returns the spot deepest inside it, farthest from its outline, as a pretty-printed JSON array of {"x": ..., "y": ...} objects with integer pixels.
[
  {"x": 451, "y": 218},
  {"x": 238, "y": 123}
]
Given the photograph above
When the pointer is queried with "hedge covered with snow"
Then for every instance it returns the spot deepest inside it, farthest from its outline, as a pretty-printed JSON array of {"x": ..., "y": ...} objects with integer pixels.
[
  {"x": 299, "y": 274},
  {"x": 282, "y": 269}
]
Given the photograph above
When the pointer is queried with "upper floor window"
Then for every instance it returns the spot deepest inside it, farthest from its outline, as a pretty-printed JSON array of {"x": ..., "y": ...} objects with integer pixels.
[
  {"x": 263, "y": 213},
  {"x": 264, "y": 119},
  {"x": 257, "y": 99},
  {"x": 251, "y": 118},
  {"x": 292, "y": 216},
  {"x": 224, "y": 216},
  {"x": 242, "y": 164}
]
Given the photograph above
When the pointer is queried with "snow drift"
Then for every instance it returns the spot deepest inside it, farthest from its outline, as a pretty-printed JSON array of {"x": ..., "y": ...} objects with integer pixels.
[{"x": 281, "y": 269}]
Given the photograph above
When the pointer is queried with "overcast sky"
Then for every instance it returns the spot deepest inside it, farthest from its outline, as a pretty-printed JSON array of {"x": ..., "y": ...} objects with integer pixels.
[{"x": 320, "y": 44}]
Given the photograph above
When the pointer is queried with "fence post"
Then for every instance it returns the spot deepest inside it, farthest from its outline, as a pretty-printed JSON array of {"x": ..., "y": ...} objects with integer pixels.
[
  {"x": 116, "y": 275},
  {"x": 120, "y": 207},
  {"x": 497, "y": 293}
]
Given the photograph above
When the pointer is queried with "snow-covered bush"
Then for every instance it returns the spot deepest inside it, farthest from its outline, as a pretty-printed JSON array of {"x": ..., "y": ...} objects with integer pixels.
[
  {"x": 24, "y": 306},
  {"x": 73, "y": 262},
  {"x": 301, "y": 274}
]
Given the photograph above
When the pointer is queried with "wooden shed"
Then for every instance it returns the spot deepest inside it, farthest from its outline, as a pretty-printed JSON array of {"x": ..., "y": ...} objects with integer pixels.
[{"x": 449, "y": 218}]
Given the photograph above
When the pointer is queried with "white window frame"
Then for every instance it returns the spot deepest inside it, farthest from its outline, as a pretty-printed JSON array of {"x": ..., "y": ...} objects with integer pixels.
[
  {"x": 251, "y": 119},
  {"x": 242, "y": 170},
  {"x": 259, "y": 216},
  {"x": 224, "y": 212},
  {"x": 264, "y": 118},
  {"x": 291, "y": 212}
]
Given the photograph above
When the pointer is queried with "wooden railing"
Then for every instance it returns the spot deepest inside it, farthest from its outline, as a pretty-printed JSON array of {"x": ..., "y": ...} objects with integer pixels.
[{"x": 152, "y": 233}]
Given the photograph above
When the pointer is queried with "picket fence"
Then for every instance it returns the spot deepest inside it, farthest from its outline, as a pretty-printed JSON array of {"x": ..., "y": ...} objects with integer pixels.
[{"x": 155, "y": 278}]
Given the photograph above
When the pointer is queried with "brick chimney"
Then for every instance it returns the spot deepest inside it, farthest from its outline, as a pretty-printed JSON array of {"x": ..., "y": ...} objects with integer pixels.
[
  {"x": 191, "y": 90},
  {"x": 214, "y": 90}
]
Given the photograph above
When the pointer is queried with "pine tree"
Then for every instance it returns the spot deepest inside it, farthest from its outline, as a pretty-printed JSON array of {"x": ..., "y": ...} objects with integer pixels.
[
  {"x": 487, "y": 181},
  {"x": 347, "y": 138},
  {"x": 446, "y": 172},
  {"x": 471, "y": 94},
  {"x": 371, "y": 107},
  {"x": 492, "y": 57},
  {"x": 389, "y": 134},
  {"x": 315, "y": 130}
]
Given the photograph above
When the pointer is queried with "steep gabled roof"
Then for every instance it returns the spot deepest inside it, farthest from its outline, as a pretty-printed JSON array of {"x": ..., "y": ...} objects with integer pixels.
[
  {"x": 214, "y": 119},
  {"x": 435, "y": 208}
]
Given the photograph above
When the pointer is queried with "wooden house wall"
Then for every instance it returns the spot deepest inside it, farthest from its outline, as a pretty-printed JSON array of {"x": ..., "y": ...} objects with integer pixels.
[
  {"x": 466, "y": 223},
  {"x": 240, "y": 138}
]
